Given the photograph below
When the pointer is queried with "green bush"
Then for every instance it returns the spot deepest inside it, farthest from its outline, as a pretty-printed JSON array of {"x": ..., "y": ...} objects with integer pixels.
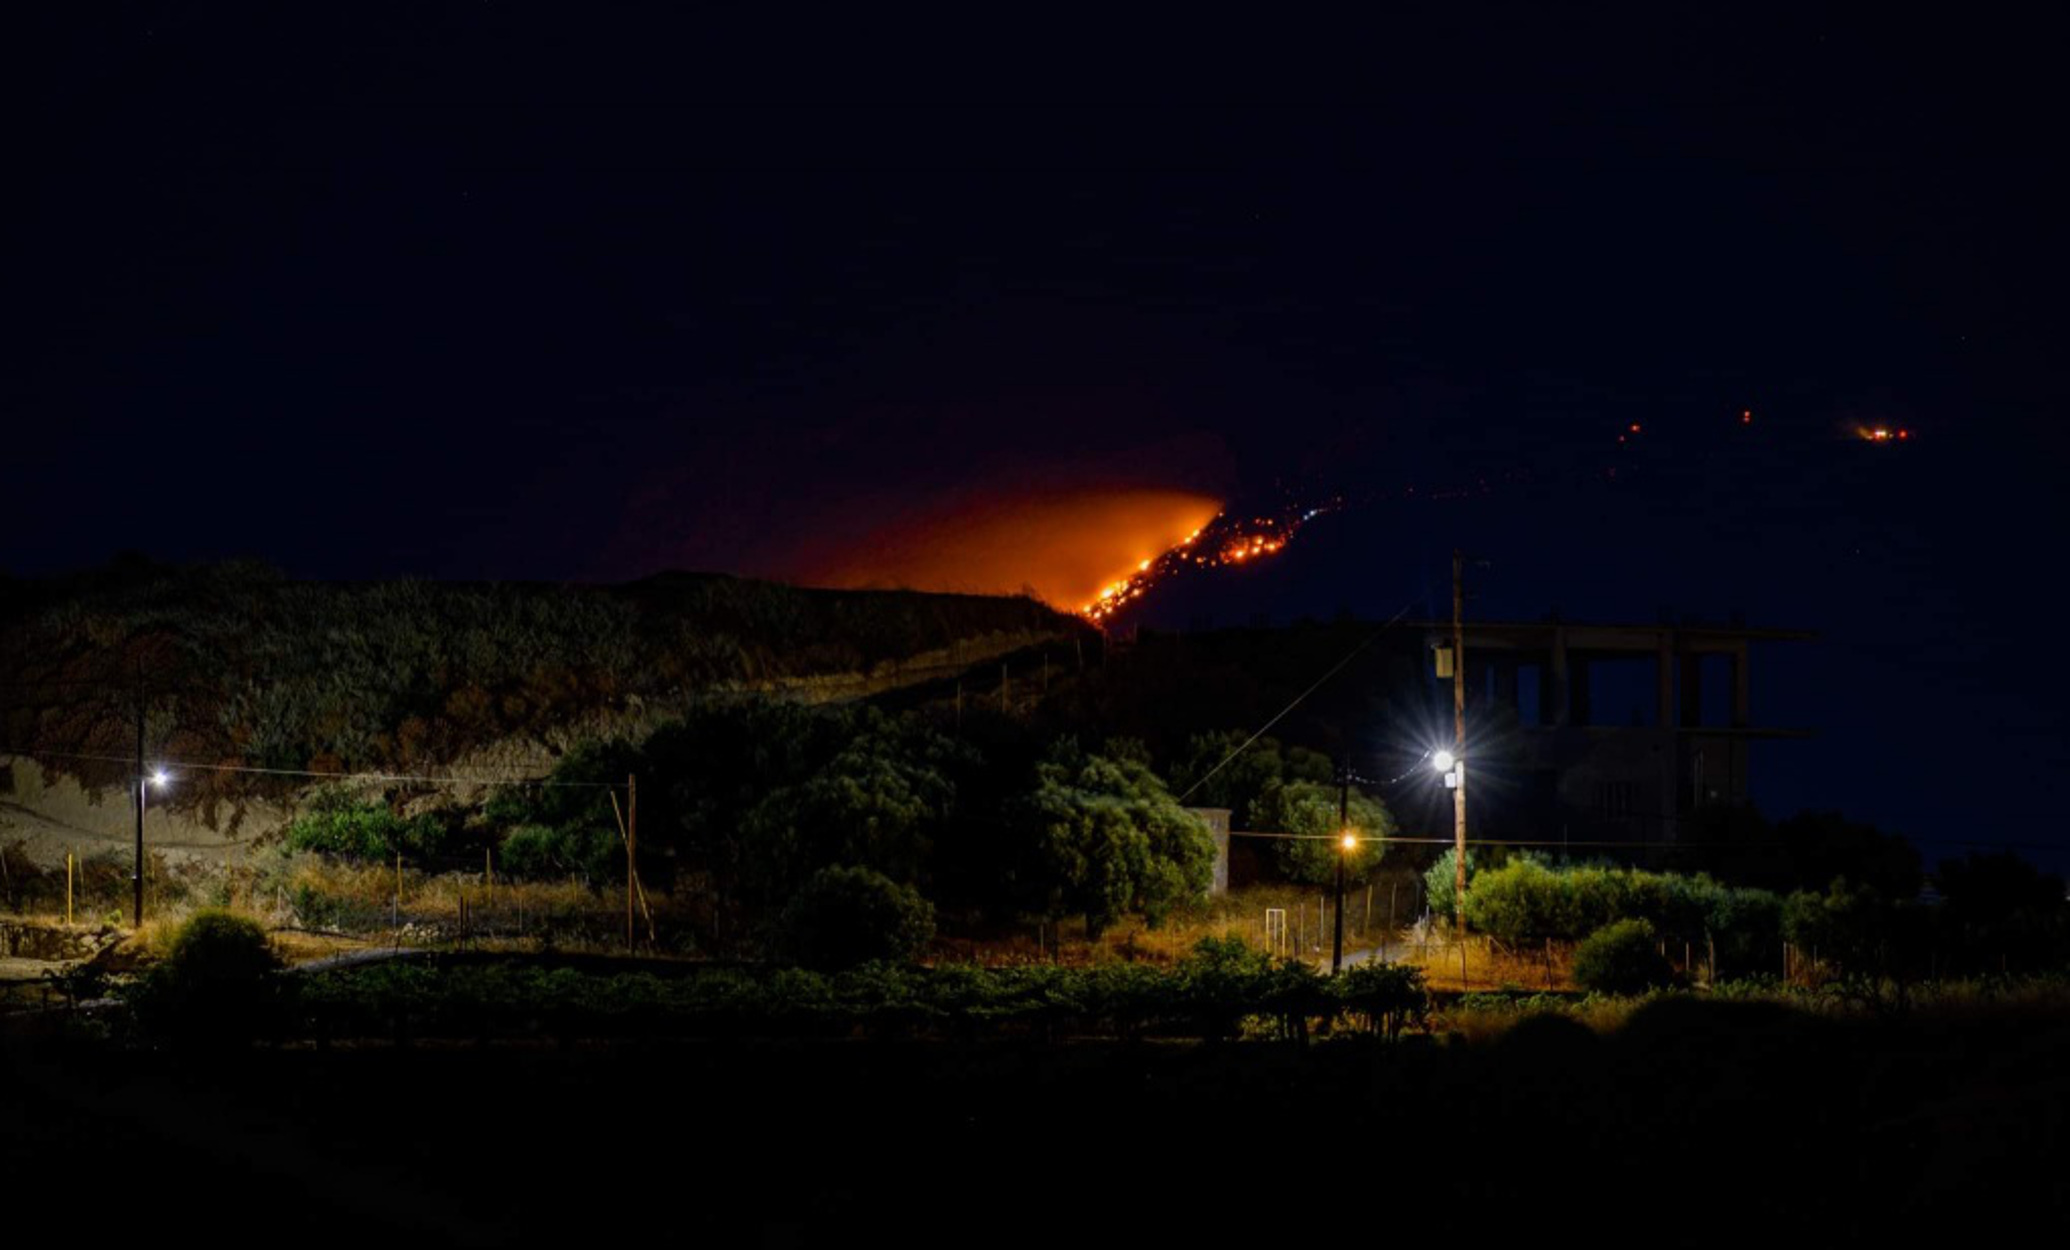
[
  {"x": 1622, "y": 958},
  {"x": 542, "y": 852},
  {"x": 340, "y": 825},
  {"x": 1439, "y": 881},
  {"x": 1388, "y": 997},
  {"x": 846, "y": 916},
  {"x": 216, "y": 982},
  {"x": 220, "y": 947}
]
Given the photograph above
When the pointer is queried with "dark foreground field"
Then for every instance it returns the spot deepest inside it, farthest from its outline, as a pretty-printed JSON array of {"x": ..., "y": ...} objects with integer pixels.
[{"x": 1697, "y": 1123}]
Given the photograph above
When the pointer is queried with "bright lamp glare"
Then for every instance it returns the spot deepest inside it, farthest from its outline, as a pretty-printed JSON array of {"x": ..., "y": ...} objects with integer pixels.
[
  {"x": 1443, "y": 761},
  {"x": 159, "y": 777},
  {"x": 1350, "y": 841}
]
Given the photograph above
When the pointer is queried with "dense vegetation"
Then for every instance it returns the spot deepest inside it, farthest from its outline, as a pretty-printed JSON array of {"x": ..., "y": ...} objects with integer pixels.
[
  {"x": 1286, "y": 788},
  {"x": 1219, "y": 991},
  {"x": 241, "y": 665},
  {"x": 1998, "y": 914},
  {"x": 760, "y": 797}
]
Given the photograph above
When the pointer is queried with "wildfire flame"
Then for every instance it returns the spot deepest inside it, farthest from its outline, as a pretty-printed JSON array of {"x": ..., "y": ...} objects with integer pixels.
[
  {"x": 1066, "y": 547},
  {"x": 1225, "y": 539}
]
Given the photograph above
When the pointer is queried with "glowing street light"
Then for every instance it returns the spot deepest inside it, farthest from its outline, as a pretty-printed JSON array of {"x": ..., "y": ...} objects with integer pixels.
[
  {"x": 1346, "y": 847},
  {"x": 1443, "y": 761},
  {"x": 159, "y": 779}
]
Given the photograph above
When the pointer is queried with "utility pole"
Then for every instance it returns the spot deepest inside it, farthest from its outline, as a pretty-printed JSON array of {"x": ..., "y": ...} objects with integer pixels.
[
  {"x": 632, "y": 850},
  {"x": 1459, "y": 753},
  {"x": 136, "y": 874},
  {"x": 1343, "y": 853}
]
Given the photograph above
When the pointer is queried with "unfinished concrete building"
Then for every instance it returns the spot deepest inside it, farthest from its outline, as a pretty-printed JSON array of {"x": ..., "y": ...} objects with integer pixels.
[{"x": 1608, "y": 733}]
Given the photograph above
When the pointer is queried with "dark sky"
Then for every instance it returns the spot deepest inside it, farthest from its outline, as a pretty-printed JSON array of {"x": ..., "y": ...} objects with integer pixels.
[{"x": 467, "y": 291}]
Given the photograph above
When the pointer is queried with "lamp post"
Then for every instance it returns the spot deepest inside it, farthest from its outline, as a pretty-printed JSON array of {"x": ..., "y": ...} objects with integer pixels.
[
  {"x": 1345, "y": 847},
  {"x": 1454, "y": 769},
  {"x": 145, "y": 781}
]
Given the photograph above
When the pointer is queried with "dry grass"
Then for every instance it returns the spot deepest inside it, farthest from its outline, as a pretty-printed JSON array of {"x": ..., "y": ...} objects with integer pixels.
[{"x": 1239, "y": 914}]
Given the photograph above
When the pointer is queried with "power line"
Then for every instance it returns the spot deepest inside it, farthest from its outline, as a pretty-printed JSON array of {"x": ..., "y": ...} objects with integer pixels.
[
  {"x": 1615, "y": 844},
  {"x": 197, "y": 766},
  {"x": 1334, "y": 669}
]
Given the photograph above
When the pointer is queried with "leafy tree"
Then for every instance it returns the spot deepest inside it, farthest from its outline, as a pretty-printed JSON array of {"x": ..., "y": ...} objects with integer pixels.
[
  {"x": 2002, "y": 912},
  {"x": 845, "y": 916},
  {"x": 1858, "y": 930},
  {"x": 1309, "y": 809},
  {"x": 1622, "y": 957},
  {"x": 1439, "y": 881},
  {"x": 1745, "y": 928},
  {"x": 542, "y": 852},
  {"x": 336, "y": 823},
  {"x": 1105, "y": 838},
  {"x": 1994, "y": 888},
  {"x": 1238, "y": 783},
  {"x": 878, "y": 803},
  {"x": 1825, "y": 845}
]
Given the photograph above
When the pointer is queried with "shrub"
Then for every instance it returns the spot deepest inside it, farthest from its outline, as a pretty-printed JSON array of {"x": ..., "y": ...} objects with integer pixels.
[
  {"x": 337, "y": 824},
  {"x": 845, "y": 916},
  {"x": 219, "y": 946},
  {"x": 1389, "y": 997},
  {"x": 540, "y": 852},
  {"x": 1439, "y": 881},
  {"x": 1622, "y": 958},
  {"x": 216, "y": 981}
]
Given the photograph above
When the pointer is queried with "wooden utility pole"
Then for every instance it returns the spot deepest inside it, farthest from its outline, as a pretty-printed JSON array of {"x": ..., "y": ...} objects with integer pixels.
[
  {"x": 1459, "y": 755},
  {"x": 1343, "y": 853},
  {"x": 637, "y": 889},
  {"x": 632, "y": 850},
  {"x": 136, "y": 873}
]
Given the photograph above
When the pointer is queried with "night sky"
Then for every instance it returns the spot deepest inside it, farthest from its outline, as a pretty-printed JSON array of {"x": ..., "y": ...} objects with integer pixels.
[{"x": 467, "y": 292}]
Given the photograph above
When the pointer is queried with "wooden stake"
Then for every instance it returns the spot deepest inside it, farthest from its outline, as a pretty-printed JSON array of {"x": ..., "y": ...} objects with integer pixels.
[{"x": 627, "y": 834}]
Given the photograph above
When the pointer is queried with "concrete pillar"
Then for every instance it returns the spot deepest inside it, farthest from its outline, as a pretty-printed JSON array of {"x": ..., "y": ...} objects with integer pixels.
[
  {"x": 1692, "y": 689},
  {"x": 1742, "y": 689},
  {"x": 1664, "y": 683},
  {"x": 1560, "y": 704},
  {"x": 1506, "y": 683}
]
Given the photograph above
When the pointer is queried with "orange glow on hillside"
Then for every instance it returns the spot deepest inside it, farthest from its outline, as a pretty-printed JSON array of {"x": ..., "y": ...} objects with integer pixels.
[{"x": 1070, "y": 548}]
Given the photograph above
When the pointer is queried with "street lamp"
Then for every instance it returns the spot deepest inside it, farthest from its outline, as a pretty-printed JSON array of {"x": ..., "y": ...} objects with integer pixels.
[
  {"x": 1345, "y": 846},
  {"x": 145, "y": 781},
  {"x": 1454, "y": 769}
]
